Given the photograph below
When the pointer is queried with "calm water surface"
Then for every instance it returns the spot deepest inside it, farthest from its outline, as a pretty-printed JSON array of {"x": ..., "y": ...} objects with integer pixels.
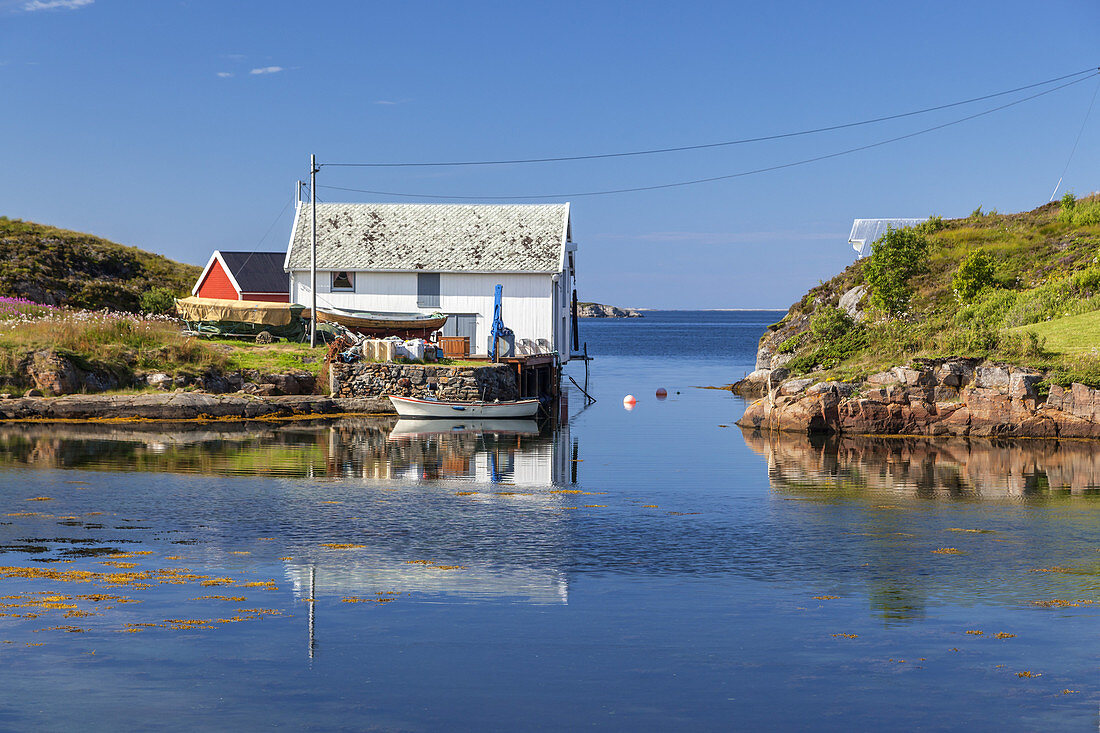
[{"x": 634, "y": 570}]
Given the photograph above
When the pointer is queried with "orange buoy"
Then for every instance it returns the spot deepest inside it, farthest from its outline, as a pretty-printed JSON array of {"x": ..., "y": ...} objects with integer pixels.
[
  {"x": 630, "y": 401},
  {"x": 662, "y": 393}
]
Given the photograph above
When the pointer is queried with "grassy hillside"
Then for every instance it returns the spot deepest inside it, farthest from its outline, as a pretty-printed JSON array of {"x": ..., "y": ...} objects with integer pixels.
[
  {"x": 1043, "y": 270},
  {"x": 58, "y": 267}
]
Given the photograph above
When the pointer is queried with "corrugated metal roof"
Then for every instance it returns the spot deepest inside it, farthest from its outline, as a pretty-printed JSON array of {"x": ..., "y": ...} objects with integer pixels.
[
  {"x": 432, "y": 237},
  {"x": 257, "y": 272},
  {"x": 866, "y": 231}
]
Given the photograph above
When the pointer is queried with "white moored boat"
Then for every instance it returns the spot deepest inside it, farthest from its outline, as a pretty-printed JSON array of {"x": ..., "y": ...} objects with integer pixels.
[{"x": 419, "y": 408}]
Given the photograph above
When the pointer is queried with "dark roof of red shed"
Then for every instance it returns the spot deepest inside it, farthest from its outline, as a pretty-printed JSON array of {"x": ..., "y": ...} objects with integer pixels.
[{"x": 257, "y": 272}]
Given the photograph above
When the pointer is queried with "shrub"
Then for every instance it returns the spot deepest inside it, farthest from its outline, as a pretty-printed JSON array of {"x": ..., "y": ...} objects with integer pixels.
[
  {"x": 987, "y": 310},
  {"x": 158, "y": 301},
  {"x": 789, "y": 346},
  {"x": 896, "y": 257},
  {"x": 1080, "y": 213},
  {"x": 975, "y": 274},
  {"x": 830, "y": 324},
  {"x": 933, "y": 225},
  {"x": 832, "y": 353}
]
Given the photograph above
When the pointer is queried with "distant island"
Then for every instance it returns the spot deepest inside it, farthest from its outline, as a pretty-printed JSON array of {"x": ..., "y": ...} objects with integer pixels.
[{"x": 598, "y": 310}]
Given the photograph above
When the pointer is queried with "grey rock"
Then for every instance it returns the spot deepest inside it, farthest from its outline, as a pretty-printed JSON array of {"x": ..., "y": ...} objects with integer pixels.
[
  {"x": 794, "y": 386},
  {"x": 955, "y": 374},
  {"x": 849, "y": 302},
  {"x": 991, "y": 377},
  {"x": 1023, "y": 385},
  {"x": 915, "y": 377},
  {"x": 883, "y": 378}
]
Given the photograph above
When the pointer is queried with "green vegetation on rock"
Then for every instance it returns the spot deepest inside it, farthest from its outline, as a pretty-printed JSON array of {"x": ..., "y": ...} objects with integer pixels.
[
  {"x": 59, "y": 267},
  {"x": 1004, "y": 287}
]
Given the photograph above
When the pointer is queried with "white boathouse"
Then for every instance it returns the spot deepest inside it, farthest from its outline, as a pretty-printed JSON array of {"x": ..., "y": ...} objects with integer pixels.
[{"x": 444, "y": 258}]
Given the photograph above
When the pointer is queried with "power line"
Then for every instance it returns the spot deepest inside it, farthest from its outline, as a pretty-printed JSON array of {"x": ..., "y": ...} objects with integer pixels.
[
  {"x": 1077, "y": 141},
  {"x": 705, "y": 146},
  {"x": 711, "y": 179}
]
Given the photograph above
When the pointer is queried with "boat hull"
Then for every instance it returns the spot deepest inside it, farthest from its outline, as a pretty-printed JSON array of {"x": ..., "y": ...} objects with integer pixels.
[
  {"x": 365, "y": 322},
  {"x": 411, "y": 407}
]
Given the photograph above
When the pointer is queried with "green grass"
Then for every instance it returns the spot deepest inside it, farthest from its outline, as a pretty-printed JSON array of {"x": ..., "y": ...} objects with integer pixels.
[
  {"x": 1079, "y": 334},
  {"x": 271, "y": 358}
]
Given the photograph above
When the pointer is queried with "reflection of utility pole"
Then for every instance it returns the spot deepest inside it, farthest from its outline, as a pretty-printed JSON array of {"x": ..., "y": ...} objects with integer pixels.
[
  {"x": 312, "y": 603},
  {"x": 573, "y": 467}
]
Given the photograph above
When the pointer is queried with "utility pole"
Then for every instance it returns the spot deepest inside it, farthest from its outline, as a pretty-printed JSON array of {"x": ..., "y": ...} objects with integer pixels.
[{"x": 313, "y": 251}]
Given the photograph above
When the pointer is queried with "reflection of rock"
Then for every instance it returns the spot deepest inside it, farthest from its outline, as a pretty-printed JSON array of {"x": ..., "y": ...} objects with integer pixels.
[{"x": 928, "y": 466}]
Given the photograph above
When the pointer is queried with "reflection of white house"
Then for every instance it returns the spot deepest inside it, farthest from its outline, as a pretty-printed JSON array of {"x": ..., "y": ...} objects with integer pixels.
[
  {"x": 866, "y": 231},
  {"x": 446, "y": 258}
]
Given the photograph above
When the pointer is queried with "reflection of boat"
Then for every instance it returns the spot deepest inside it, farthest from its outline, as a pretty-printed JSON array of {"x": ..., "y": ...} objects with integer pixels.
[
  {"x": 418, "y": 408},
  {"x": 419, "y": 428},
  {"x": 366, "y": 320}
]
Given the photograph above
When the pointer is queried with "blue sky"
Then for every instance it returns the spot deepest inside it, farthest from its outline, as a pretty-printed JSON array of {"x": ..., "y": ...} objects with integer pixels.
[{"x": 181, "y": 127}]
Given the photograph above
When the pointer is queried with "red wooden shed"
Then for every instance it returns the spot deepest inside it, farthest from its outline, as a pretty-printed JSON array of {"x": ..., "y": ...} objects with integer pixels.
[{"x": 244, "y": 276}]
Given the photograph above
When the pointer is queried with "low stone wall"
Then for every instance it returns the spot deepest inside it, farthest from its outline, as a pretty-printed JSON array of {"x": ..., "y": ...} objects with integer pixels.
[{"x": 462, "y": 384}]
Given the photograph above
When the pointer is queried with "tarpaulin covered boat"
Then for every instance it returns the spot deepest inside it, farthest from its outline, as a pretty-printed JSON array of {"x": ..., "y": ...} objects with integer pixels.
[{"x": 223, "y": 317}]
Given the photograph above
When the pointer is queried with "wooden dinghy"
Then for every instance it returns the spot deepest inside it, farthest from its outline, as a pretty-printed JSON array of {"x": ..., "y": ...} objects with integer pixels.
[
  {"x": 368, "y": 321},
  {"x": 417, "y": 408}
]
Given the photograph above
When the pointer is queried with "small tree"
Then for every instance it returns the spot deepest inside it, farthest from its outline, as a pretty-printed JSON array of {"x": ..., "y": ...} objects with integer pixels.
[
  {"x": 896, "y": 257},
  {"x": 158, "y": 301},
  {"x": 829, "y": 324},
  {"x": 975, "y": 274}
]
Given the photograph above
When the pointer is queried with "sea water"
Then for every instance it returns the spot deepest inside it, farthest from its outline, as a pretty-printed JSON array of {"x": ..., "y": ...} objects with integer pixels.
[{"x": 647, "y": 569}]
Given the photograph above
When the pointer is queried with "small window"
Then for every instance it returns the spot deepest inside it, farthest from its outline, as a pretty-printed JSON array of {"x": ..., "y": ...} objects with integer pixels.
[
  {"x": 343, "y": 281},
  {"x": 427, "y": 289}
]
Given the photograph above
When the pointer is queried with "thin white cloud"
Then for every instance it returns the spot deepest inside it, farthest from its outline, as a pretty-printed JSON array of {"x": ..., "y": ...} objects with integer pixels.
[
  {"x": 225, "y": 74},
  {"x": 267, "y": 70},
  {"x": 34, "y": 5},
  {"x": 389, "y": 102}
]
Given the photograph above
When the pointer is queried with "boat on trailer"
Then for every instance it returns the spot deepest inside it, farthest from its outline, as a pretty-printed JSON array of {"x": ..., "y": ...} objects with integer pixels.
[{"x": 414, "y": 407}]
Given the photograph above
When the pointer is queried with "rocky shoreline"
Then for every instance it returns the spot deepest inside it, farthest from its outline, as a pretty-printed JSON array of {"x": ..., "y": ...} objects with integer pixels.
[
  {"x": 185, "y": 406},
  {"x": 951, "y": 397}
]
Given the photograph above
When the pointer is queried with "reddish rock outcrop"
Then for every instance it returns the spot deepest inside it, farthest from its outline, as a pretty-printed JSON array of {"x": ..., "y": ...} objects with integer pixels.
[{"x": 946, "y": 398}]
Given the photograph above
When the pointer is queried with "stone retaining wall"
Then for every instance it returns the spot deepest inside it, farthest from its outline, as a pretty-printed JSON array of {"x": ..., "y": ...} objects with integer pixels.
[{"x": 463, "y": 384}]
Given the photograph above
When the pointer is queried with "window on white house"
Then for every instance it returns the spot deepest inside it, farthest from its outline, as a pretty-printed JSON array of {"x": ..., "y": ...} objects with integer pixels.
[
  {"x": 343, "y": 281},
  {"x": 427, "y": 289}
]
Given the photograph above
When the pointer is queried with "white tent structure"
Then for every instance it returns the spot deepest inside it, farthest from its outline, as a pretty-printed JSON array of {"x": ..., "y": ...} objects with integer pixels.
[{"x": 866, "y": 231}]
